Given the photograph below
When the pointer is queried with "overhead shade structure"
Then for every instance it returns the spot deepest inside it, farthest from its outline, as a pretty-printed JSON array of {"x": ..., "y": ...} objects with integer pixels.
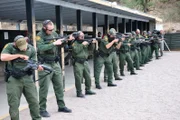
[{"x": 44, "y": 9}]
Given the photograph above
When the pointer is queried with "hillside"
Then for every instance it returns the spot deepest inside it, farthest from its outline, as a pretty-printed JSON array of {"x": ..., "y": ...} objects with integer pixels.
[{"x": 168, "y": 10}]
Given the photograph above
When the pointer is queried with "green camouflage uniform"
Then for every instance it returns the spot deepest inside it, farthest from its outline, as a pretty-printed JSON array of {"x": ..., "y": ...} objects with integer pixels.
[
  {"x": 115, "y": 67},
  {"x": 144, "y": 51},
  {"x": 139, "y": 50},
  {"x": 81, "y": 69},
  {"x": 105, "y": 58},
  {"x": 15, "y": 87},
  {"x": 48, "y": 55},
  {"x": 124, "y": 55},
  {"x": 134, "y": 53},
  {"x": 155, "y": 47}
]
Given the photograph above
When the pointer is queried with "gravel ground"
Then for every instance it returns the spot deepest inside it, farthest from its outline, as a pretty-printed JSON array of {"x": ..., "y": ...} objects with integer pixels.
[{"x": 153, "y": 94}]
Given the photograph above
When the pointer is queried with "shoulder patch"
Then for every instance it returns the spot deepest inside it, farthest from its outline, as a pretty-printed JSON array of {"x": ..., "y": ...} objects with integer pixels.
[
  {"x": 73, "y": 44},
  {"x": 5, "y": 46},
  {"x": 105, "y": 38},
  {"x": 38, "y": 38}
]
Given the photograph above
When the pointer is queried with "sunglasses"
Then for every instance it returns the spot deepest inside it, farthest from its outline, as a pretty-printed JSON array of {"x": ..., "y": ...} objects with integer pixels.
[{"x": 50, "y": 30}]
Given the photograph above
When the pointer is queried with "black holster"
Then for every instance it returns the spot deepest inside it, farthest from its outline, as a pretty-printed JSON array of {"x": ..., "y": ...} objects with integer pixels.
[{"x": 6, "y": 76}]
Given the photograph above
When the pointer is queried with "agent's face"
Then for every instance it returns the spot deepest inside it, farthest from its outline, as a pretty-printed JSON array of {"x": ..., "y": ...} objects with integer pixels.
[
  {"x": 81, "y": 36},
  {"x": 49, "y": 29},
  {"x": 138, "y": 32},
  {"x": 112, "y": 36}
]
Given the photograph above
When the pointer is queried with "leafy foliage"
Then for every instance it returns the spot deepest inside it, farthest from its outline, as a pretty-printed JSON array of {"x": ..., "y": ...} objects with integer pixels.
[{"x": 166, "y": 9}]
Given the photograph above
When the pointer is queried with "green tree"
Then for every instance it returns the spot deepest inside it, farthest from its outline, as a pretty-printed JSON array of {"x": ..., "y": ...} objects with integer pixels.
[{"x": 143, "y": 5}]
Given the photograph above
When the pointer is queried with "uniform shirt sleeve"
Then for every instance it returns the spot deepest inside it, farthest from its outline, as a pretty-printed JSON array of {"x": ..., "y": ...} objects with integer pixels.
[
  {"x": 104, "y": 42},
  {"x": 77, "y": 48},
  {"x": 33, "y": 55},
  {"x": 7, "y": 49},
  {"x": 41, "y": 44}
]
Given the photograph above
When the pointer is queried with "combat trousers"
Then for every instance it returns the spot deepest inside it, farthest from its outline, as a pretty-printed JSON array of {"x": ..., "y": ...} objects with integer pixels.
[
  {"x": 149, "y": 52},
  {"x": 161, "y": 47},
  {"x": 99, "y": 62},
  {"x": 15, "y": 88},
  {"x": 56, "y": 78},
  {"x": 155, "y": 48},
  {"x": 115, "y": 67},
  {"x": 82, "y": 71},
  {"x": 135, "y": 58},
  {"x": 144, "y": 54},
  {"x": 125, "y": 57},
  {"x": 140, "y": 56}
]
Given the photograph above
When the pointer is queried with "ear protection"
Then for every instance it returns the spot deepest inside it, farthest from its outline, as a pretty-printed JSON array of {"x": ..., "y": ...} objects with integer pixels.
[
  {"x": 45, "y": 23},
  {"x": 78, "y": 34},
  {"x": 18, "y": 37}
]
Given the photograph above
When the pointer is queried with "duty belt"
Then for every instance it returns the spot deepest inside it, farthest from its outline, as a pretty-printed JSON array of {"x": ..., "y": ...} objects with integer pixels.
[
  {"x": 49, "y": 59},
  {"x": 80, "y": 60},
  {"x": 133, "y": 49},
  {"x": 124, "y": 51},
  {"x": 18, "y": 73},
  {"x": 102, "y": 54}
]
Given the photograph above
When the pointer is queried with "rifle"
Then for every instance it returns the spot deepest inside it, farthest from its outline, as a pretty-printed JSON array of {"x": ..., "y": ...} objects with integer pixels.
[
  {"x": 64, "y": 39},
  {"x": 120, "y": 36},
  {"x": 87, "y": 40},
  {"x": 33, "y": 65}
]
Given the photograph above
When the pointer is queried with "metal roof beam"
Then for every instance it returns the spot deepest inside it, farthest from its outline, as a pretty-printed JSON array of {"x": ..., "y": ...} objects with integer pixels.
[{"x": 89, "y": 9}]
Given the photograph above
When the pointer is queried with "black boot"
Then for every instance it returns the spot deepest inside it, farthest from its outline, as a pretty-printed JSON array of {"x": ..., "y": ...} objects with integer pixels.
[
  {"x": 44, "y": 114},
  {"x": 118, "y": 78},
  {"x": 133, "y": 73},
  {"x": 111, "y": 85},
  {"x": 138, "y": 69},
  {"x": 65, "y": 109},
  {"x": 98, "y": 87},
  {"x": 80, "y": 95},
  {"x": 122, "y": 74},
  {"x": 89, "y": 92}
]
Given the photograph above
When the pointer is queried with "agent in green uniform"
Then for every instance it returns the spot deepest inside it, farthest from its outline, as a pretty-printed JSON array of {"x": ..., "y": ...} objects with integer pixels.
[
  {"x": 115, "y": 64},
  {"x": 80, "y": 65},
  {"x": 155, "y": 46},
  {"x": 105, "y": 57},
  {"x": 139, "y": 36},
  {"x": 19, "y": 81},
  {"x": 134, "y": 52},
  {"x": 144, "y": 47},
  {"x": 48, "y": 54},
  {"x": 124, "y": 55},
  {"x": 149, "y": 34}
]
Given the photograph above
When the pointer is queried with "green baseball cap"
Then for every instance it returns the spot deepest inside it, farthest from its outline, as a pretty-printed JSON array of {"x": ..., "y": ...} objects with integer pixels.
[
  {"x": 112, "y": 31},
  {"x": 21, "y": 42}
]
